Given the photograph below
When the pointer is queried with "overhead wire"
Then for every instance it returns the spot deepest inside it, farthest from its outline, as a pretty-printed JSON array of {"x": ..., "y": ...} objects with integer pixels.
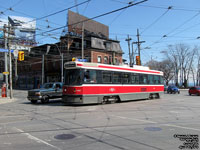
[
  {"x": 59, "y": 11},
  {"x": 99, "y": 15},
  {"x": 11, "y": 7},
  {"x": 166, "y": 35},
  {"x": 155, "y": 21}
]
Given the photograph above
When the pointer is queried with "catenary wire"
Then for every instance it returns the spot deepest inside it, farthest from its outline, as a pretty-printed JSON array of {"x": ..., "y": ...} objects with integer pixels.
[
  {"x": 99, "y": 15},
  {"x": 169, "y": 8}
]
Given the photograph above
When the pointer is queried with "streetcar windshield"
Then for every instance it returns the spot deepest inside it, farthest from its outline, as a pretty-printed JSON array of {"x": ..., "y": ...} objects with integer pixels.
[{"x": 73, "y": 77}]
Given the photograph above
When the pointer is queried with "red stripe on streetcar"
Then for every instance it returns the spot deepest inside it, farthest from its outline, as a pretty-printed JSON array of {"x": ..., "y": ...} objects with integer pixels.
[
  {"x": 111, "y": 67},
  {"x": 91, "y": 90},
  {"x": 119, "y": 68},
  {"x": 79, "y": 64}
]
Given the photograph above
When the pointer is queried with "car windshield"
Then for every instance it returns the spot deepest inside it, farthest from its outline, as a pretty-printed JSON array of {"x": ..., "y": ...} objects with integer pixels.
[
  {"x": 173, "y": 86},
  {"x": 47, "y": 85}
]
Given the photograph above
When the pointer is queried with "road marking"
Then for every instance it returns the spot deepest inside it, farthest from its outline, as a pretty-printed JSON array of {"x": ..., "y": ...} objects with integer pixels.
[
  {"x": 148, "y": 121},
  {"x": 92, "y": 108},
  {"x": 35, "y": 138},
  {"x": 176, "y": 112},
  {"x": 188, "y": 128}
]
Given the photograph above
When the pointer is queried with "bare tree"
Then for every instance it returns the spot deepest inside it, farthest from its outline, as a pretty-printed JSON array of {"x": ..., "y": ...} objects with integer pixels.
[
  {"x": 165, "y": 66},
  {"x": 182, "y": 56}
]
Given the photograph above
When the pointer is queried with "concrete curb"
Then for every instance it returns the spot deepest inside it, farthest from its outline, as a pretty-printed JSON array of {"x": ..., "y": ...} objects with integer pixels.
[{"x": 6, "y": 100}]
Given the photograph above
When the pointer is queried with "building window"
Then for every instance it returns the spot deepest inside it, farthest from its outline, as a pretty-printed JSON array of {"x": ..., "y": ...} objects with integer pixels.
[
  {"x": 105, "y": 60},
  {"x": 116, "y": 61},
  {"x": 99, "y": 59},
  {"x": 110, "y": 60}
]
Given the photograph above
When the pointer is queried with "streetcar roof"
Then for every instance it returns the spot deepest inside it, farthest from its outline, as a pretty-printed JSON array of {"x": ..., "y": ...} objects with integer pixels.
[{"x": 122, "y": 68}]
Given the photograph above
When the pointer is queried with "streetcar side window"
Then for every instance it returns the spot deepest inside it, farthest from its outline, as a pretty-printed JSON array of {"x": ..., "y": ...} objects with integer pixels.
[
  {"x": 135, "y": 78},
  {"x": 161, "y": 80},
  {"x": 126, "y": 78},
  {"x": 116, "y": 77},
  {"x": 106, "y": 77},
  {"x": 156, "y": 79},
  {"x": 150, "y": 79},
  {"x": 143, "y": 79},
  {"x": 90, "y": 76}
]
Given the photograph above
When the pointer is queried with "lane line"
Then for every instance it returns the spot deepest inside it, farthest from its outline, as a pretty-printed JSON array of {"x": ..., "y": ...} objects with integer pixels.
[
  {"x": 188, "y": 128},
  {"x": 147, "y": 121},
  {"x": 36, "y": 139}
]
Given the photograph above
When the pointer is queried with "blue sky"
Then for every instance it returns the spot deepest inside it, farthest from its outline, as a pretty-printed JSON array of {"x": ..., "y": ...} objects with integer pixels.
[{"x": 180, "y": 24}]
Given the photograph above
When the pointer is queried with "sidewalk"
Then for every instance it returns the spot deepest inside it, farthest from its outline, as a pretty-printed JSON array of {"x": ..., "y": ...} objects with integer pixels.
[{"x": 4, "y": 100}]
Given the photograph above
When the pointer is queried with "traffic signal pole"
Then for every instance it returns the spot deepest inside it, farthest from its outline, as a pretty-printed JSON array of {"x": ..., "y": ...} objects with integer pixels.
[
  {"x": 138, "y": 44},
  {"x": 10, "y": 60},
  {"x": 6, "y": 58}
]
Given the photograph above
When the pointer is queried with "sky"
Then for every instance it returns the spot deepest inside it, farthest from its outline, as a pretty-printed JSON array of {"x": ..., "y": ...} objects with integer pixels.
[{"x": 160, "y": 22}]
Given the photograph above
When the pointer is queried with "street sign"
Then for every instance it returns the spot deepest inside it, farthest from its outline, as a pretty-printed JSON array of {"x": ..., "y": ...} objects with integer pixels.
[
  {"x": 5, "y": 73},
  {"x": 5, "y": 50}
]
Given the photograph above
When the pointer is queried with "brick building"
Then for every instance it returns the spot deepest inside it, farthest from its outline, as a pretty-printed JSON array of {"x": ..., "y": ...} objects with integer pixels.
[{"x": 98, "y": 48}]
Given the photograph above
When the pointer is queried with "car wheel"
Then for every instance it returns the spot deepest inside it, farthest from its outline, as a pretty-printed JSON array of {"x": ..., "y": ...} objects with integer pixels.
[
  {"x": 190, "y": 94},
  {"x": 33, "y": 101},
  {"x": 45, "y": 99},
  {"x": 178, "y": 92}
]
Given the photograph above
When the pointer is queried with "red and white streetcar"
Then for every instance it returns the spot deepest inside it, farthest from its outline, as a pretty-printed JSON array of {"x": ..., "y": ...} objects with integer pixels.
[{"x": 87, "y": 83}]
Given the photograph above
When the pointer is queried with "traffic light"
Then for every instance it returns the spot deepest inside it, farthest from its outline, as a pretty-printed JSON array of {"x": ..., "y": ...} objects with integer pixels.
[
  {"x": 73, "y": 59},
  {"x": 138, "y": 60},
  {"x": 21, "y": 55}
]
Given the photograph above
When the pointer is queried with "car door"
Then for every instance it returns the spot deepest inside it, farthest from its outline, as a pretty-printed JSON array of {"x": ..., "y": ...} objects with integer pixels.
[
  {"x": 192, "y": 90},
  {"x": 58, "y": 90}
]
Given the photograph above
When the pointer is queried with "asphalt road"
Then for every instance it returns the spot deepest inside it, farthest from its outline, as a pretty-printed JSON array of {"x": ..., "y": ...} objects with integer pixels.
[{"x": 136, "y": 125}]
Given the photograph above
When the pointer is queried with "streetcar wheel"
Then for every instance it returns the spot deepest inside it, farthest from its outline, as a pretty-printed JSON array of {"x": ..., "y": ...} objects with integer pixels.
[
  {"x": 103, "y": 101},
  {"x": 45, "y": 99},
  {"x": 150, "y": 96}
]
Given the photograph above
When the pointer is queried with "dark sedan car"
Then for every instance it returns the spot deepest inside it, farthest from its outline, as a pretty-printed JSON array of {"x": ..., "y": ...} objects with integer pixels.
[
  {"x": 194, "y": 90},
  {"x": 173, "y": 89}
]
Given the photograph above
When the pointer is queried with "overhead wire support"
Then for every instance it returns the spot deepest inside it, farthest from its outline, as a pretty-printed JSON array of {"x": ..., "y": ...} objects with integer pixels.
[{"x": 116, "y": 10}]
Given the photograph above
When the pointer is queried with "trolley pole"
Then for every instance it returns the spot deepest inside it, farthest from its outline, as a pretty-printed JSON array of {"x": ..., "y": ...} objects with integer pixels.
[{"x": 6, "y": 58}]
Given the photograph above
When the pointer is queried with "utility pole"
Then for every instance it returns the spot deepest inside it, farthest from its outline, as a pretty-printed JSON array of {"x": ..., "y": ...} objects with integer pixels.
[
  {"x": 138, "y": 44},
  {"x": 82, "y": 52},
  {"x": 42, "y": 69},
  {"x": 6, "y": 58},
  {"x": 10, "y": 60},
  {"x": 128, "y": 40},
  {"x": 133, "y": 54},
  {"x": 62, "y": 68}
]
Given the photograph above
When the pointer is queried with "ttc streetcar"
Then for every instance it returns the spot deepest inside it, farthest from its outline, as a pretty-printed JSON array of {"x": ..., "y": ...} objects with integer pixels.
[{"x": 87, "y": 83}]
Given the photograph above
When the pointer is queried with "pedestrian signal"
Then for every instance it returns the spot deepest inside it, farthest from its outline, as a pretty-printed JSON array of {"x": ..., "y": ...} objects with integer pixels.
[{"x": 21, "y": 55}]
